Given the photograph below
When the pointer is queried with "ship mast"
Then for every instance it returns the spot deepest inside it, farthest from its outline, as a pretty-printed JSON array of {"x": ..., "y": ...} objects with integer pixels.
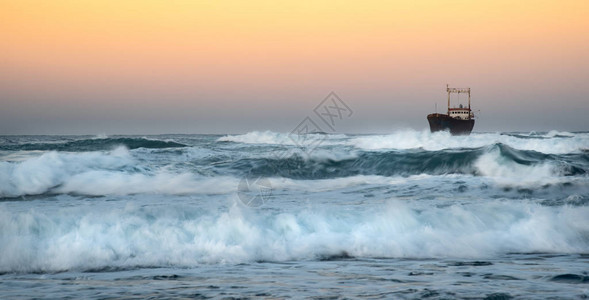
[
  {"x": 457, "y": 91},
  {"x": 448, "y": 90}
]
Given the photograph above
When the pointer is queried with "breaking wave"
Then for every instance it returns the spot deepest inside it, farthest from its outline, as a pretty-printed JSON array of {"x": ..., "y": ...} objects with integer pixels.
[
  {"x": 123, "y": 172},
  {"x": 552, "y": 142},
  {"x": 184, "y": 236},
  {"x": 486, "y": 161},
  {"x": 96, "y": 173}
]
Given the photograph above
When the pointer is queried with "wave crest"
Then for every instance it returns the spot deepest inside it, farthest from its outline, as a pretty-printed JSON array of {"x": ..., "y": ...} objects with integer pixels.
[
  {"x": 552, "y": 143},
  {"x": 122, "y": 172},
  {"x": 70, "y": 239},
  {"x": 97, "y": 173}
]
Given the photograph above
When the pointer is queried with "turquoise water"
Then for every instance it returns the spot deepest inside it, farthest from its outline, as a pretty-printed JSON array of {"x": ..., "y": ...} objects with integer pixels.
[{"x": 405, "y": 215}]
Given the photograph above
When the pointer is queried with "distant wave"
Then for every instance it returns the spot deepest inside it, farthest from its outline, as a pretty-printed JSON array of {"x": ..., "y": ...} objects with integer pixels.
[
  {"x": 276, "y": 138},
  {"x": 552, "y": 142},
  {"x": 549, "y": 143},
  {"x": 542, "y": 135},
  {"x": 94, "y": 144}
]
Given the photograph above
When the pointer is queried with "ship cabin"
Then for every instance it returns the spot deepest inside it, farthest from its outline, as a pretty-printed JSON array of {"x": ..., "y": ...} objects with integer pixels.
[{"x": 461, "y": 113}]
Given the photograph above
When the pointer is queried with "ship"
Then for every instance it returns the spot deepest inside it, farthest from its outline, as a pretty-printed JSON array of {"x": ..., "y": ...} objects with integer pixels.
[{"x": 458, "y": 120}]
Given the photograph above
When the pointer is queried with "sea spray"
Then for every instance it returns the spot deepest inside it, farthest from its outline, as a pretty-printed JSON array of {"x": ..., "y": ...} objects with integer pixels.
[{"x": 183, "y": 236}]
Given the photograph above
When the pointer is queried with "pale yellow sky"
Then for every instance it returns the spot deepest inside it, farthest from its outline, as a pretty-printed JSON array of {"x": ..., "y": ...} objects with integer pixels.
[{"x": 134, "y": 62}]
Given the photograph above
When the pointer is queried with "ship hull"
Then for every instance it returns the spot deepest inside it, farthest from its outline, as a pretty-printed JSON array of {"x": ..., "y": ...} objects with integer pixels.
[{"x": 441, "y": 122}]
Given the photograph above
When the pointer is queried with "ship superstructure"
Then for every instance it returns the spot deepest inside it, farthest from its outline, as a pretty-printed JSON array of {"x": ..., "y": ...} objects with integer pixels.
[{"x": 458, "y": 120}]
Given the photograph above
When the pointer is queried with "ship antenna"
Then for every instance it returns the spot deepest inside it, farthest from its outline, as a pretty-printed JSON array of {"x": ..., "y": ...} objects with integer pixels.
[
  {"x": 468, "y": 98},
  {"x": 448, "y": 90}
]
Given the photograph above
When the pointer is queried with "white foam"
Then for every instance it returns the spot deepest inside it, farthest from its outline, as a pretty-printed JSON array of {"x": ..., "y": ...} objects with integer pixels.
[
  {"x": 259, "y": 137},
  {"x": 97, "y": 183},
  {"x": 99, "y": 237},
  {"x": 119, "y": 172},
  {"x": 100, "y": 173},
  {"x": 321, "y": 185},
  {"x": 506, "y": 172},
  {"x": 275, "y": 138},
  {"x": 559, "y": 143},
  {"x": 554, "y": 133},
  {"x": 39, "y": 174},
  {"x": 553, "y": 142}
]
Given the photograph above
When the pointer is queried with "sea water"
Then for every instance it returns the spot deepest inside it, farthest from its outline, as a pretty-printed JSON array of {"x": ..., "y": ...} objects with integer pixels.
[{"x": 405, "y": 215}]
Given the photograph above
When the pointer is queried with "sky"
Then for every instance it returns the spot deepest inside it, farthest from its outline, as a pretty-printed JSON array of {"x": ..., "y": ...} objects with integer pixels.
[{"x": 154, "y": 67}]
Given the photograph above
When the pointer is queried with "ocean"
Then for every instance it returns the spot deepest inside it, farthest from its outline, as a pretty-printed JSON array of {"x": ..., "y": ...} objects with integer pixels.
[{"x": 405, "y": 215}]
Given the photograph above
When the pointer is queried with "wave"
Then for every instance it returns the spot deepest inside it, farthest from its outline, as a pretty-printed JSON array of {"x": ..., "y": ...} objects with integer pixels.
[
  {"x": 542, "y": 135},
  {"x": 93, "y": 144},
  {"x": 122, "y": 172},
  {"x": 477, "y": 161},
  {"x": 184, "y": 236},
  {"x": 300, "y": 166},
  {"x": 550, "y": 143},
  {"x": 97, "y": 173},
  {"x": 506, "y": 170},
  {"x": 118, "y": 173},
  {"x": 275, "y": 138}
]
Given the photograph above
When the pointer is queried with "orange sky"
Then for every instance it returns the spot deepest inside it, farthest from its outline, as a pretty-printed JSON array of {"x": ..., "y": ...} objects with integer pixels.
[{"x": 215, "y": 66}]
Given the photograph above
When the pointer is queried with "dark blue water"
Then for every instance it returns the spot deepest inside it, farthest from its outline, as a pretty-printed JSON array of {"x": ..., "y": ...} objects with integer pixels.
[{"x": 406, "y": 215}]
